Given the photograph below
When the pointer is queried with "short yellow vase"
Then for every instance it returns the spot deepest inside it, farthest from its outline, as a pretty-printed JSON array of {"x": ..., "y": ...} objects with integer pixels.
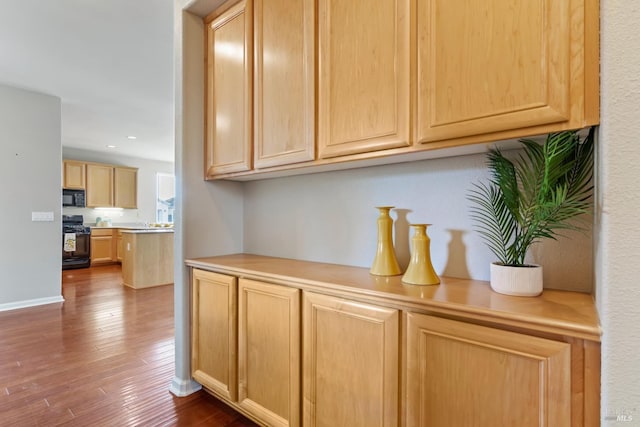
[
  {"x": 420, "y": 270},
  {"x": 385, "y": 262}
]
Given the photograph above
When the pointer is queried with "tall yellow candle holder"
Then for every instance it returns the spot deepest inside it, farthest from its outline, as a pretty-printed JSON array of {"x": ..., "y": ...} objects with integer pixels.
[
  {"x": 385, "y": 262},
  {"x": 420, "y": 270}
]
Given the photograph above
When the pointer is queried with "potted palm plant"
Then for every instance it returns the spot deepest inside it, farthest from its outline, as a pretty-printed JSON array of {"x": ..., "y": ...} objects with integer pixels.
[{"x": 529, "y": 199}]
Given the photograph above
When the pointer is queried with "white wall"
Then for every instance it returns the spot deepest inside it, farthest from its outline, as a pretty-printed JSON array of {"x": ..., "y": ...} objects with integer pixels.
[
  {"x": 330, "y": 217},
  {"x": 147, "y": 170},
  {"x": 30, "y": 167},
  {"x": 618, "y": 235},
  {"x": 208, "y": 214}
]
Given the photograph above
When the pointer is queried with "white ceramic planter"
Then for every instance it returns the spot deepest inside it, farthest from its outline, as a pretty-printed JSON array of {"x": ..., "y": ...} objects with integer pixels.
[{"x": 518, "y": 281}]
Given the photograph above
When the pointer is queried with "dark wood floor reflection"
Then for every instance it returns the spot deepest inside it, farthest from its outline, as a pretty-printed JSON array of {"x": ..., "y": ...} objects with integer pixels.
[{"x": 104, "y": 357}]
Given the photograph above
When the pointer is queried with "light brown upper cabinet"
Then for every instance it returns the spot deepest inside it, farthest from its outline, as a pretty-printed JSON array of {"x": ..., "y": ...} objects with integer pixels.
[
  {"x": 505, "y": 69},
  {"x": 74, "y": 176},
  {"x": 229, "y": 91},
  {"x": 111, "y": 186},
  {"x": 364, "y": 76},
  {"x": 260, "y": 102},
  {"x": 99, "y": 185},
  {"x": 284, "y": 76},
  {"x": 125, "y": 190}
]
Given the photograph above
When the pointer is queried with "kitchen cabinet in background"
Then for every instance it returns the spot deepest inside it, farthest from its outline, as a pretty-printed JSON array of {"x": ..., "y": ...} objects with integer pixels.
[
  {"x": 73, "y": 175},
  {"x": 102, "y": 246},
  {"x": 99, "y": 185},
  {"x": 111, "y": 186},
  {"x": 125, "y": 187}
]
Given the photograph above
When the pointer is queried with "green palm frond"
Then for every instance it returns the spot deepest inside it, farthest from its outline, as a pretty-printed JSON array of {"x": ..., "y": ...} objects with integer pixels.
[{"x": 534, "y": 197}]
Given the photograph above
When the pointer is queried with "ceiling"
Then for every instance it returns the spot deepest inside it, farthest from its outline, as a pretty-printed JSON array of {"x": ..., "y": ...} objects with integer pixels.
[{"x": 110, "y": 62}]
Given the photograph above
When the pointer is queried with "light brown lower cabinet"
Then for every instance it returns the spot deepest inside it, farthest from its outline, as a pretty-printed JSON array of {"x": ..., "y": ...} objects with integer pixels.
[
  {"x": 307, "y": 351},
  {"x": 246, "y": 345},
  {"x": 464, "y": 374},
  {"x": 269, "y": 352},
  {"x": 214, "y": 332},
  {"x": 350, "y": 363},
  {"x": 102, "y": 250}
]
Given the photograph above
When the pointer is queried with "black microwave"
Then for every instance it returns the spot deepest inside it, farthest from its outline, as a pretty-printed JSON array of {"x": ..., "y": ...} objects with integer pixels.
[{"x": 73, "y": 198}]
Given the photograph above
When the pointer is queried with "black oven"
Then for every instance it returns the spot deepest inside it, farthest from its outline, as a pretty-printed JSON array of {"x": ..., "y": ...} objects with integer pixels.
[{"x": 76, "y": 242}]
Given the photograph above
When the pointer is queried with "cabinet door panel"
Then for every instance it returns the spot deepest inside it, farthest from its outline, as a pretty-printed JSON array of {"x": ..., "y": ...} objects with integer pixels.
[
  {"x": 284, "y": 82},
  {"x": 364, "y": 76},
  {"x": 214, "y": 332},
  {"x": 101, "y": 249},
  {"x": 229, "y": 74},
  {"x": 126, "y": 187},
  {"x": 464, "y": 374},
  {"x": 350, "y": 363},
  {"x": 488, "y": 66},
  {"x": 99, "y": 186},
  {"x": 269, "y": 352},
  {"x": 74, "y": 175}
]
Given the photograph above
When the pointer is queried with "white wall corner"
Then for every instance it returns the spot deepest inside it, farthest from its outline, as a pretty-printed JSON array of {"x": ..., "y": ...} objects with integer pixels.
[{"x": 180, "y": 387}]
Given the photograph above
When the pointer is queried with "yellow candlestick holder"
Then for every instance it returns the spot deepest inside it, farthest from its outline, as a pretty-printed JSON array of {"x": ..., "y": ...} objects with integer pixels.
[
  {"x": 420, "y": 270},
  {"x": 385, "y": 262}
]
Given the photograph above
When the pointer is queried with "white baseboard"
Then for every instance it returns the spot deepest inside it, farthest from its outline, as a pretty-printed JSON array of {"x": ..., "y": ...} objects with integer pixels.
[
  {"x": 181, "y": 388},
  {"x": 30, "y": 303}
]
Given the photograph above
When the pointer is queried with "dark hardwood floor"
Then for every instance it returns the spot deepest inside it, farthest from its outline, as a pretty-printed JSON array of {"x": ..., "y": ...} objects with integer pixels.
[{"x": 104, "y": 357}]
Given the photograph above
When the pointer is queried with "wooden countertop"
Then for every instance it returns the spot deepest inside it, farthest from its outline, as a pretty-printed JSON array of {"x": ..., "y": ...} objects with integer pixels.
[{"x": 560, "y": 312}]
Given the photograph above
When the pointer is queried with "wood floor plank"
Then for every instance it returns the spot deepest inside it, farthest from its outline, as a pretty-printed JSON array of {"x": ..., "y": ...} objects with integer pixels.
[{"x": 104, "y": 357}]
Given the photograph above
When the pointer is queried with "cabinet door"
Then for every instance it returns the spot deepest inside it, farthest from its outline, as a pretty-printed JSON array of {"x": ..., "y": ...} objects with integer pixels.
[
  {"x": 269, "y": 352},
  {"x": 462, "y": 374},
  {"x": 489, "y": 66},
  {"x": 126, "y": 187},
  {"x": 73, "y": 175},
  {"x": 101, "y": 248},
  {"x": 350, "y": 369},
  {"x": 229, "y": 74},
  {"x": 284, "y": 82},
  {"x": 214, "y": 332},
  {"x": 364, "y": 76},
  {"x": 99, "y": 186}
]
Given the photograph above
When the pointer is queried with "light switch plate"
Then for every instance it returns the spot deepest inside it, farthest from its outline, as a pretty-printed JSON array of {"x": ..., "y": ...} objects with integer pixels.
[{"x": 41, "y": 216}]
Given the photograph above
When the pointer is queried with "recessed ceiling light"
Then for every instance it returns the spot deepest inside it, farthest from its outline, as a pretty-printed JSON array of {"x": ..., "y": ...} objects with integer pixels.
[
  {"x": 131, "y": 137},
  {"x": 111, "y": 146}
]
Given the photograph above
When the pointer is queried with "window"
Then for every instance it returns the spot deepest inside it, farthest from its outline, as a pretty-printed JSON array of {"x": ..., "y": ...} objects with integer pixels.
[{"x": 166, "y": 196}]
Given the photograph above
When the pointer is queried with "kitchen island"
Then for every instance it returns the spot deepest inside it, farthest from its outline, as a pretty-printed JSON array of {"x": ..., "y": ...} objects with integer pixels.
[{"x": 147, "y": 257}]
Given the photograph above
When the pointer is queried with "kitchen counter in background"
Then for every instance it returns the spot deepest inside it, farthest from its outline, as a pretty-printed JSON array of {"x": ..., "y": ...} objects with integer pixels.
[{"x": 147, "y": 258}]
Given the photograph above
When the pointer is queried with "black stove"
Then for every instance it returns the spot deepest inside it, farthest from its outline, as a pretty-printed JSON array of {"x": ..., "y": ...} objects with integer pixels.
[{"x": 76, "y": 242}]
